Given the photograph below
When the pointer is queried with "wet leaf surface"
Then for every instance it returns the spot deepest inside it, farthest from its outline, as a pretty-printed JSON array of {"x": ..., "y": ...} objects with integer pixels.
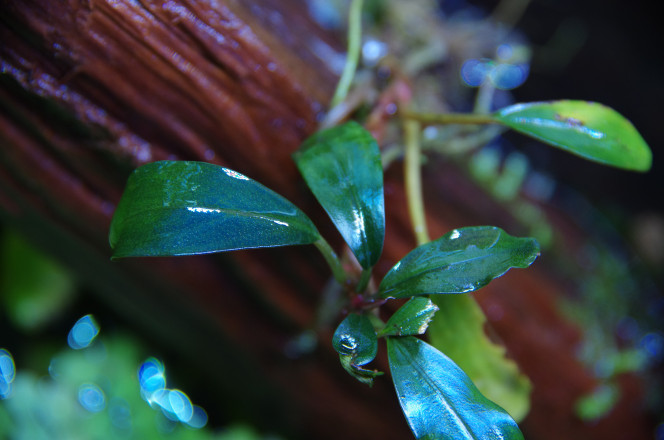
[
  {"x": 461, "y": 261},
  {"x": 356, "y": 337},
  {"x": 439, "y": 400},
  {"x": 458, "y": 330},
  {"x": 183, "y": 208},
  {"x": 411, "y": 319},
  {"x": 342, "y": 167}
]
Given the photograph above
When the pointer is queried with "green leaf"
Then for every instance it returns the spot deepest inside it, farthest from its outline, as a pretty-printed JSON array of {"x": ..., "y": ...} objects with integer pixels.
[
  {"x": 588, "y": 129},
  {"x": 461, "y": 261},
  {"x": 356, "y": 342},
  {"x": 184, "y": 208},
  {"x": 411, "y": 319},
  {"x": 356, "y": 337},
  {"x": 342, "y": 167},
  {"x": 458, "y": 330},
  {"x": 361, "y": 374},
  {"x": 439, "y": 400}
]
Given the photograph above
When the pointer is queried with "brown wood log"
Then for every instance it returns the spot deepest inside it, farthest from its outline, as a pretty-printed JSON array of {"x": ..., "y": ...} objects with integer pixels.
[{"x": 91, "y": 89}]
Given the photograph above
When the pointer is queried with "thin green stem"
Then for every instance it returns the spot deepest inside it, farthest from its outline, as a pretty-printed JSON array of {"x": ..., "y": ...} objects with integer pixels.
[
  {"x": 484, "y": 98},
  {"x": 332, "y": 260},
  {"x": 426, "y": 119},
  {"x": 353, "y": 55},
  {"x": 363, "y": 281},
  {"x": 413, "y": 178}
]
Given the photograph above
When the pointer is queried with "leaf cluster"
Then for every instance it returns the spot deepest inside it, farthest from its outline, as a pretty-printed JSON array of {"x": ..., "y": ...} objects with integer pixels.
[{"x": 185, "y": 208}]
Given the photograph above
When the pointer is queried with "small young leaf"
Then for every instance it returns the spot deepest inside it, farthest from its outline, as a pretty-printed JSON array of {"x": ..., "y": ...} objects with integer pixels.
[
  {"x": 342, "y": 167},
  {"x": 361, "y": 374},
  {"x": 439, "y": 400},
  {"x": 411, "y": 319},
  {"x": 588, "y": 129},
  {"x": 461, "y": 261},
  {"x": 356, "y": 337},
  {"x": 356, "y": 342},
  {"x": 184, "y": 208}
]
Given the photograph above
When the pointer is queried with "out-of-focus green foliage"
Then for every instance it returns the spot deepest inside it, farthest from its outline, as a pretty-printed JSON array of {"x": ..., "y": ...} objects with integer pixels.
[
  {"x": 34, "y": 289},
  {"x": 56, "y": 406}
]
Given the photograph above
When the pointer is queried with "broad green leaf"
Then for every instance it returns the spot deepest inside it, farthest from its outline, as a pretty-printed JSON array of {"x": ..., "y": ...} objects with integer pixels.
[
  {"x": 459, "y": 262},
  {"x": 458, "y": 330},
  {"x": 183, "y": 208},
  {"x": 356, "y": 337},
  {"x": 588, "y": 129},
  {"x": 342, "y": 167},
  {"x": 411, "y": 319},
  {"x": 439, "y": 400}
]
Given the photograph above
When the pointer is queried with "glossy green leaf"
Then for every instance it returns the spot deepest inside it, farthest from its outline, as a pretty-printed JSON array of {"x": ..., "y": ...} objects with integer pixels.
[
  {"x": 588, "y": 129},
  {"x": 342, "y": 167},
  {"x": 439, "y": 400},
  {"x": 356, "y": 342},
  {"x": 411, "y": 319},
  {"x": 356, "y": 337},
  {"x": 461, "y": 261},
  {"x": 182, "y": 208},
  {"x": 458, "y": 330}
]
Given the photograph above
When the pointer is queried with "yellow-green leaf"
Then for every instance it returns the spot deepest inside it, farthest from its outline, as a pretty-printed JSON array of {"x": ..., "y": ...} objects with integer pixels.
[{"x": 587, "y": 129}]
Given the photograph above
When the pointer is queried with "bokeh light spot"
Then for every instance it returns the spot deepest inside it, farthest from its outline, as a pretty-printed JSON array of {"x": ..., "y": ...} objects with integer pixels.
[
  {"x": 653, "y": 344},
  {"x": 7, "y": 373},
  {"x": 151, "y": 376},
  {"x": 373, "y": 51},
  {"x": 175, "y": 405},
  {"x": 199, "y": 418},
  {"x": 508, "y": 76},
  {"x": 91, "y": 397},
  {"x": 474, "y": 71},
  {"x": 180, "y": 405},
  {"x": 504, "y": 52},
  {"x": 83, "y": 333}
]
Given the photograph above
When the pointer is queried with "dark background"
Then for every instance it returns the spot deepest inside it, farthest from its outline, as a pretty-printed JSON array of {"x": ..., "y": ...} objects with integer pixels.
[{"x": 619, "y": 64}]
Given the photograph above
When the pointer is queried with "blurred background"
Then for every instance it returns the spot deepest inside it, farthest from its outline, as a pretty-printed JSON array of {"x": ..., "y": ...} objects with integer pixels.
[{"x": 94, "y": 349}]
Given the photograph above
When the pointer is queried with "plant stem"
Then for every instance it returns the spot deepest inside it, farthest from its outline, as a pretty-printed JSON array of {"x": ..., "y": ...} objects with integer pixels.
[
  {"x": 426, "y": 119},
  {"x": 364, "y": 281},
  {"x": 484, "y": 98},
  {"x": 332, "y": 260},
  {"x": 353, "y": 55},
  {"x": 413, "y": 180}
]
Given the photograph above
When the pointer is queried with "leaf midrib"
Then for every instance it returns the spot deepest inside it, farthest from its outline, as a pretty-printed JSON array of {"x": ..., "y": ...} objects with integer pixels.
[{"x": 423, "y": 373}]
